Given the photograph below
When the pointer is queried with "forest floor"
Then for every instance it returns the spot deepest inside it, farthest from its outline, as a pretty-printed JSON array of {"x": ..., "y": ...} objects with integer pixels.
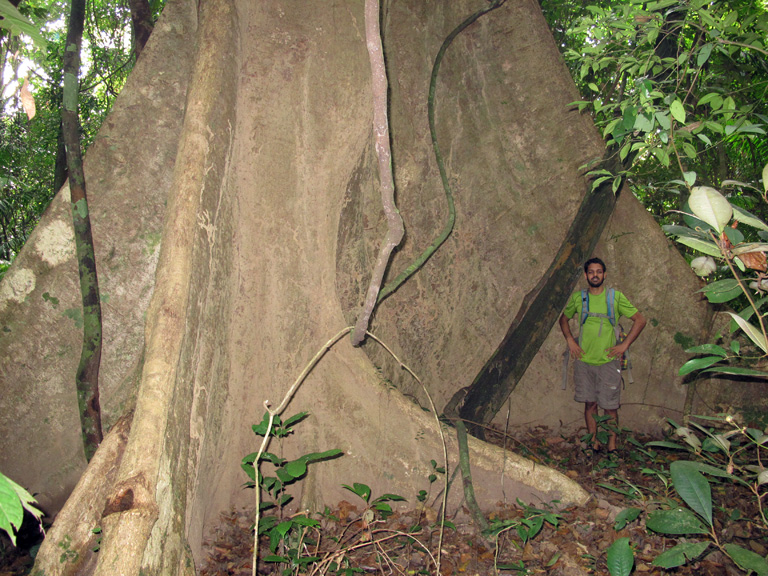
[{"x": 570, "y": 542}]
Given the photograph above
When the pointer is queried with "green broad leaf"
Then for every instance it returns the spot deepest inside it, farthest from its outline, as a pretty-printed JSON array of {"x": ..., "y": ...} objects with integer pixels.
[
  {"x": 318, "y": 456},
  {"x": 304, "y": 521},
  {"x": 714, "y": 100},
  {"x": 625, "y": 517},
  {"x": 284, "y": 476},
  {"x": 677, "y": 230},
  {"x": 275, "y": 558},
  {"x": 13, "y": 501},
  {"x": 765, "y": 178},
  {"x": 667, "y": 444},
  {"x": 747, "y": 560},
  {"x": 709, "y": 248},
  {"x": 261, "y": 429},
  {"x": 361, "y": 490},
  {"x": 729, "y": 106},
  {"x": 689, "y": 177},
  {"x": 620, "y": 558},
  {"x": 662, "y": 156},
  {"x": 680, "y": 554},
  {"x": 751, "y": 331},
  {"x": 295, "y": 419},
  {"x": 296, "y": 468},
  {"x": 690, "y": 151},
  {"x": 704, "y": 53},
  {"x": 722, "y": 290},
  {"x": 735, "y": 346},
  {"x": 663, "y": 119},
  {"x": 629, "y": 117},
  {"x": 708, "y": 469},
  {"x": 710, "y": 206},
  {"x": 16, "y": 23},
  {"x": 678, "y": 111},
  {"x": 11, "y": 510},
  {"x": 749, "y": 247},
  {"x": 698, "y": 364},
  {"x": 643, "y": 123},
  {"x": 693, "y": 488},
  {"x": 749, "y": 219},
  {"x": 737, "y": 371},
  {"x": 680, "y": 521},
  {"x": 734, "y": 235},
  {"x": 708, "y": 349},
  {"x": 390, "y": 498}
]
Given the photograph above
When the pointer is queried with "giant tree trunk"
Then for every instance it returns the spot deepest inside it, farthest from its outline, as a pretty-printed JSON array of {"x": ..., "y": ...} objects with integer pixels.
[{"x": 266, "y": 242}]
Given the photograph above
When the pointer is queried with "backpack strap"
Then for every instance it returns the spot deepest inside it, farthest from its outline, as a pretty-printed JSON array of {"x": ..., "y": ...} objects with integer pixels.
[{"x": 585, "y": 313}]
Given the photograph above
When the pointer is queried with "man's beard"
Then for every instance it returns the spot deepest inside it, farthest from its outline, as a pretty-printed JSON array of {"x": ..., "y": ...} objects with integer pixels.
[{"x": 595, "y": 283}]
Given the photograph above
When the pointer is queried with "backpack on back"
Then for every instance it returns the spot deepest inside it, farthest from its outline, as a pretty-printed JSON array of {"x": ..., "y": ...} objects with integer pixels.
[{"x": 610, "y": 297}]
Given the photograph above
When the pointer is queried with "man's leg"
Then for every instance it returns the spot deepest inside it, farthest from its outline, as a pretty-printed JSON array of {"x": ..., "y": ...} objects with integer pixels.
[
  {"x": 590, "y": 411},
  {"x": 613, "y": 425}
]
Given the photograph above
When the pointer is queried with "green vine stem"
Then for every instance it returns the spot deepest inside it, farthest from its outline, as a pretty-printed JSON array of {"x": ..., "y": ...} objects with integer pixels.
[{"x": 390, "y": 287}]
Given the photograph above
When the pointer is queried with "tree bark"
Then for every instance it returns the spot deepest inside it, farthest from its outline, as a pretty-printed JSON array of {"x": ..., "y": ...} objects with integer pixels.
[
  {"x": 87, "y": 378},
  {"x": 539, "y": 310}
]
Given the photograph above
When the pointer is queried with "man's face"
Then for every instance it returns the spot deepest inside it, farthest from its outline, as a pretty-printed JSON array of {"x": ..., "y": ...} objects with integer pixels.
[{"x": 595, "y": 275}]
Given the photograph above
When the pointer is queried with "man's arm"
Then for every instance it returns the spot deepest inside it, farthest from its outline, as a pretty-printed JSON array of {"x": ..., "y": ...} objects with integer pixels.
[
  {"x": 573, "y": 346},
  {"x": 638, "y": 323}
]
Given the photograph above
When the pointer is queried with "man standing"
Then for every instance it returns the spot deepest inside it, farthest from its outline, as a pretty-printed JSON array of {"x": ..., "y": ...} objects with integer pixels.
[{"x": 597, "y": 372}]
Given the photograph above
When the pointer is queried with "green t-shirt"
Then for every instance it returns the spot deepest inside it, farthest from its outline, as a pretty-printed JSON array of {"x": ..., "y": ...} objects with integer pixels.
[{"x": 598, "y": 334}]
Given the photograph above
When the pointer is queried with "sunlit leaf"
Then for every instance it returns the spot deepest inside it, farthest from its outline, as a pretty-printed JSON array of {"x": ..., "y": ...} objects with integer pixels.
[
  {"x": 751, "y": 331},
  {"x": 748, "y": 218},
  {"x": 678, "y": 111},
  {"x": 708, "y": 349},
  {"x": 16, "y": 22},
  {"x": 710, "y": 206},
  {"x": 701, "y": 245},
  {"x": 736, "y": 371},
  {"x": 698, "y": 364}
]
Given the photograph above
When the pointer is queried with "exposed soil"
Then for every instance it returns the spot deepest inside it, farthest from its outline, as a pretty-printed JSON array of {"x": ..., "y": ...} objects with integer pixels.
[{"x": 407, "y": 541}]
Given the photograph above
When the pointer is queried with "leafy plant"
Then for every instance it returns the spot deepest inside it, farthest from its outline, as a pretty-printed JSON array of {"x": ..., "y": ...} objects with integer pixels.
[
  {"x": 380, "y": 504},
  {"x": 526, "y": 527},
  {"x": 711, "y": 228},
  {"x": 287, "y": 534},
  {"x": 734, "y": 456},
  {"x": 13, "y": 501}
]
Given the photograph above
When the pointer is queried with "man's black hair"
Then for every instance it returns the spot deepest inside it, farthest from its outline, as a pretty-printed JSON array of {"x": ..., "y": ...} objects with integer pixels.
[{"x": 594, "y": 261}]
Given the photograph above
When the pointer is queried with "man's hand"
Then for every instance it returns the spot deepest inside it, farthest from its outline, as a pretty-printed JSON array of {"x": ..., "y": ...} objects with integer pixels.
[
  {"x": 576, "y": 351},
  {"x": 617, "y": 351}
]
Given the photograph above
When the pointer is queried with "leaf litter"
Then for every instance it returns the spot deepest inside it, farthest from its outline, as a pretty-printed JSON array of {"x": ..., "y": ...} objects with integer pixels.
[{"x": 347, "y": 542}]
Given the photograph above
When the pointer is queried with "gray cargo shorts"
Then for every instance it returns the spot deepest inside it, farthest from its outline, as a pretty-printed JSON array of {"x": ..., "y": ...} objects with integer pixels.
[{"x": 601, "y": 384}]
